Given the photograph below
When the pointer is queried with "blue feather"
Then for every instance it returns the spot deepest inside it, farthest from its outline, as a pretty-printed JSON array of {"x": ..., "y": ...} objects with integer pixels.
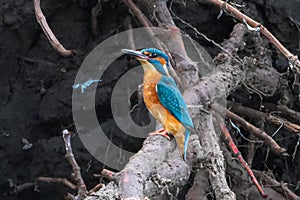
[
  {"x": 171, "y": 98},
  {"x": 186, "y": 141},
  {"x": 156, "y": 63}
]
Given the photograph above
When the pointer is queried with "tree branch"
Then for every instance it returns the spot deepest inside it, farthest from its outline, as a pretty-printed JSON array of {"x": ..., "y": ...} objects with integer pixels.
[
  {"x": 242, "y": 17},
  {"x": 76, "y": 169},
  {"x": 256, "y": 131},
  {"x": 48, "y": 32},
  {"x": 280, "y": 187}
]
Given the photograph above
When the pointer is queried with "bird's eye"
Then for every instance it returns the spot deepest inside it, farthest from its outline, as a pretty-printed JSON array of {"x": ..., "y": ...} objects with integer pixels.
[{"x": 153, "y": 55}]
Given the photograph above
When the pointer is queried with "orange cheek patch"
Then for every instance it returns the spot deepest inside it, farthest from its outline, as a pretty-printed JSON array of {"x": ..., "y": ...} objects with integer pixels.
[{"x": 161, "y": 60}]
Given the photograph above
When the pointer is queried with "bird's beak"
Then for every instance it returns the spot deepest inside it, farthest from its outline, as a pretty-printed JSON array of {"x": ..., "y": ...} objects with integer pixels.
[{"x": 137, "y": 54}]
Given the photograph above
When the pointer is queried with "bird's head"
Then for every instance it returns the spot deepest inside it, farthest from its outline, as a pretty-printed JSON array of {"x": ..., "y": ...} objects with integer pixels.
[{"x": 151, "y": 59}]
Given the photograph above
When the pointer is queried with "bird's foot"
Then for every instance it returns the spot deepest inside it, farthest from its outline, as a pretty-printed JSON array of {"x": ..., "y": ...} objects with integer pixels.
[{"x": 162, "y": 132}]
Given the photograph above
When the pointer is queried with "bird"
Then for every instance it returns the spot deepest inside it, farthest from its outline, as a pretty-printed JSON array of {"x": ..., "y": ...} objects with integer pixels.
[{"x": 162, "y": 97}]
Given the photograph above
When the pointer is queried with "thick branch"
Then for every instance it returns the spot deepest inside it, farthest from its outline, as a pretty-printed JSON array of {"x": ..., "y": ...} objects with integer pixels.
[
  {"x": 156, "y": 171},
  {"x": 214, "y": 159}
]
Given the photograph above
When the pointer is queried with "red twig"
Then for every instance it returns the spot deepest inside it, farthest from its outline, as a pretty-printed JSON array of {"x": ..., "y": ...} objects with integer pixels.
[
  {"x": 48, "y": 32},
  {"x": 240, "y": 16},
  {"x": 237, "y": 153}
]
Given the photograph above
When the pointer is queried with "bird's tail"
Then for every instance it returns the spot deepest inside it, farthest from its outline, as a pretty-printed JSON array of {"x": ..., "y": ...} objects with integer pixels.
[
  {"x": 182, "y": 140},
  {"x": 186, "y": 142}
]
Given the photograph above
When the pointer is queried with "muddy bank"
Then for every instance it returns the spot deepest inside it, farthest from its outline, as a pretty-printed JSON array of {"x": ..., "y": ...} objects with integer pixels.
[{"x": 36, "y": 82}]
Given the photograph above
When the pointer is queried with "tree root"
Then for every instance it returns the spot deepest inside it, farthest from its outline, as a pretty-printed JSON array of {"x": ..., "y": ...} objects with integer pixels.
[
  {"x": 48, "y": 32},
  {"x": 280, "y": 187},
  {"x": 256, "y": 131},
  {"x": 244, "y": 18}
]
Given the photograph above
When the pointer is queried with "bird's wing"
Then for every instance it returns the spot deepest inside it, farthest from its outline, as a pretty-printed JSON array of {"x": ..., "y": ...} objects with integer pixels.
[{"x": 171, "y": 98}]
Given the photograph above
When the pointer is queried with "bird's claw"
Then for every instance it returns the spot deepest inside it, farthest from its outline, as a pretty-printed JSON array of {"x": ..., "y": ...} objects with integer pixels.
[{"x": 162, "y": 132}]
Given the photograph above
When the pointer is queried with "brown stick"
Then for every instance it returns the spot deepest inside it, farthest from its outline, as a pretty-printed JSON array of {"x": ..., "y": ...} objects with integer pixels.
[
  {"x": 252, "y": 113},
  {"x": 138, "y": 13},
  {"x": 280, "y": 187},
  {"x": 286, "y": 111},
  {"x": 94, "y": 17},
  {"x": 240, "y": 16},
  {"x": 76, "y": 169},
  {"x": 108, "y": 174},
  {"x": 256, "y": 131},
  {"x": 48, "y": 32},
  {"x": 15, "y": 189},
  {"x": 130, "y": 33},
  {"x": 96, "y": 188},
  {"x": 251, "y": 151},
  {"x": 18, "y": 188},
  {"x": 238, "y": 154},
  {"x": 63, "y": 181}
]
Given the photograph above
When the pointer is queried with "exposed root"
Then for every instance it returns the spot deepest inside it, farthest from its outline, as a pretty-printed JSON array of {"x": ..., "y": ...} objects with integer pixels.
[
  {"x": 76, "y": 169},
  {"x": 280, "y": 187},
  {"x": 94, "y": 17},
  {"x": 48, "y": 32},
  {"x": 256, "y": 131},
  {"x": 254, "y": 24}
]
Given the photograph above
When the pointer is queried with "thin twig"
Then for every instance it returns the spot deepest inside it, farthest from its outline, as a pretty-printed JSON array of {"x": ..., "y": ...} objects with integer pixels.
[
  {"x": 138, "y": 13},
  {"x": 280, "y": 187},
  {"x": 239, "y": 60},
  {"x": 296, "y": 148},
  {"x": 48, "y": 32},
  {"x": 252, "y": 113},
  {"x": 242, "y": 17},
  {"x": 76, "y": 169},
  {"x": 15, "y": 189},
  {"x": 110, "y": 175},
  {"x": 63, "y": 181},
  {"x": 130, "y": 32},
  {"x": 94, "y": 17},
  {"x": 286, "y": 111},
  {"x": 256, "y": 131},
  {"x": 96, "y": 188},
  {"x": 251, "y": 152},
  {"x": 237, "y": 153}
]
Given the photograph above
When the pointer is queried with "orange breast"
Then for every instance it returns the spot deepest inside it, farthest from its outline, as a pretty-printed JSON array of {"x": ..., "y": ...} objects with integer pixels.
[{"x": 169, "y": 122}]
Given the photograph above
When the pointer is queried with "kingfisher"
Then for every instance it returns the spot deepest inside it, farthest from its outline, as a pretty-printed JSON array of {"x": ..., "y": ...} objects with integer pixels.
[{"x": 162, "y": 96}]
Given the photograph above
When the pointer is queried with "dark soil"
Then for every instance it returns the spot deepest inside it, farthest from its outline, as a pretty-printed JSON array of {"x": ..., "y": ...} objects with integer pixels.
[{"x": 36, "y": 83}]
